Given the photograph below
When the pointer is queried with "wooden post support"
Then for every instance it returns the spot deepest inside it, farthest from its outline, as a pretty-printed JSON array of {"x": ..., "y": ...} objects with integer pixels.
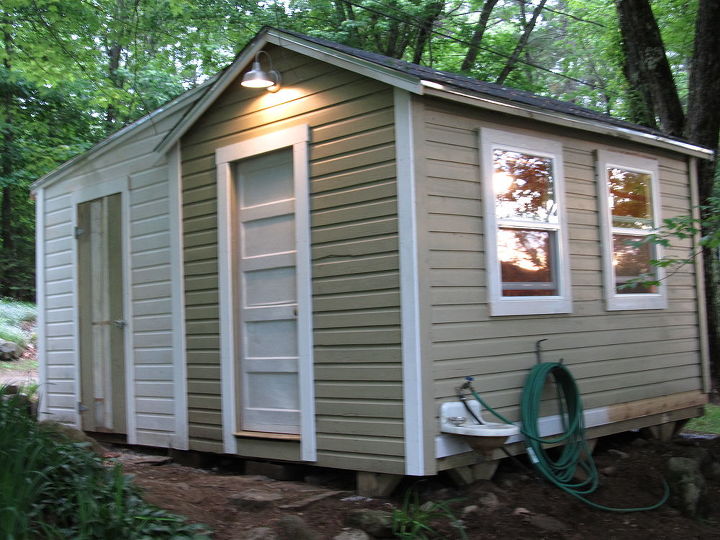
[
  {"x": 662, "y": 432},
  {"x": 461, "y": 476},
  {"x": 485, "y": 470},
  {"x": 376, "y": 484}
]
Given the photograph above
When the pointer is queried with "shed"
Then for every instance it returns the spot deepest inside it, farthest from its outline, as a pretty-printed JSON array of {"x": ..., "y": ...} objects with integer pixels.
[{"x": 306, "y": 275}]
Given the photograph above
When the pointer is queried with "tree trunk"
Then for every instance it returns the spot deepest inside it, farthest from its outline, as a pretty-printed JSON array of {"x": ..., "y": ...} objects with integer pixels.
[
  {"x": 515, "y": 56},
  {"x": 423, "y": 37},
  {"x": 6, "y": 169},
  {"x": 703, "y": 126},
  {"x": 647, "y": 67},
  {"x": 478, "y": 34}
]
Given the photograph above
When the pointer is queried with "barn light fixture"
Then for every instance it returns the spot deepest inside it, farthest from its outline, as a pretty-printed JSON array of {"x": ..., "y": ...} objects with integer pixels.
[{"x": 258, "y": 78}]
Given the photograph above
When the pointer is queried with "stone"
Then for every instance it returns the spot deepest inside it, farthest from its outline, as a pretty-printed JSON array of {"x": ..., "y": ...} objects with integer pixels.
[
  {"x": 639, "y": 443},
  {"x": 64, "y": 433},
  {"x": 473, "y": 508},
  {"x": 10, "y": 350},
  {"x": 374, "y": 522},
  {"x": 547, "y": 523},
  {"x": 520, "y": 511},
  {"x": 259, "y": 533},
  {"x": 713, "y": 471},
  {"x": 488, "y": 501},
  {"x": 687, "y": 485},
  {"x": 609, "y": 471},
  {"x": 276, "y": 471},
  {"x": 352, "y": 534},
  {"x": 294, "y": 528},
  {"x": 302, "y": 503},
  {"x": 254, "y": 499},
  {"x": 618, "y": 453}
]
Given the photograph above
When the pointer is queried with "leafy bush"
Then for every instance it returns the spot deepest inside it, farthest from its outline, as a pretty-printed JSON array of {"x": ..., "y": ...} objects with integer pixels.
[
  {"x": 52, "y": 488},
  {"x": 415, "y": 521}
]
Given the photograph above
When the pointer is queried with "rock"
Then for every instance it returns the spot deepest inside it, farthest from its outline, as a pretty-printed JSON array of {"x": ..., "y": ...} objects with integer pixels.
[
  {"x": 546, "y": 523},
  {"x": 63, "y": 432},
  {"x": 520, "y": 511},
  {"x": 294, "y": 528},
  {"x": 254, "y": 499},
  {"x": 687, "y": 485},
  {"x": 373, "y": 522},
  {"x": 260, "y": 533},
  {"x": 10, "y": 350},
  {"x": 302, "y": 503},
  {"x": 470, "y": 509},
  {"x": 713, "y": 471},
  {"x": 639, "y": 443},
  {"x": 618, "y": 453},
  {"x": 488, "y": 501},
  {"x": 609, "y": 471},
  {"x": 352, "y": 534}
]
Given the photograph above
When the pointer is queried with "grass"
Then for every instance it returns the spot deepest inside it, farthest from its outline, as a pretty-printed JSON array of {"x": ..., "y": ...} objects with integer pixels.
[
  {"x": 415, "y": 521},
  {"x": 710, "y": 423},
  {"x": 52, "y": 488}
]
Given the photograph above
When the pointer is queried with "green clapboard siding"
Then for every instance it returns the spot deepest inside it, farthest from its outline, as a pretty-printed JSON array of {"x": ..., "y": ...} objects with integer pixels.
[
  {"x": 616, "y": 356},
  {"x": 354, "y": 251}
]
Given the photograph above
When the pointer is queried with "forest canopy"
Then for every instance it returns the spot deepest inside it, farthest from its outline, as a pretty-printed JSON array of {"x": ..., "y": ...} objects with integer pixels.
[{"x": 72, "y": 73}]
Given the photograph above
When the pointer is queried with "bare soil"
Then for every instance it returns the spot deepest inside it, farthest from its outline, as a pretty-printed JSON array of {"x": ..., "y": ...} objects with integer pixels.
[{"x": 524, "y": 507}]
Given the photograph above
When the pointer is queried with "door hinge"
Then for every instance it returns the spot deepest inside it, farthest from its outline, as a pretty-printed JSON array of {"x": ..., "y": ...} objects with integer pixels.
[
  {"x": 79, "y": 231},
  {"x": 81, "y": 407}
]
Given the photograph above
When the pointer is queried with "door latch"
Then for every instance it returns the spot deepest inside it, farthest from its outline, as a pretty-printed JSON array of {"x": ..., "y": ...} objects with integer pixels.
[
  {"x": 81, "y": 407},
  {"x": 119, "y": 323}
]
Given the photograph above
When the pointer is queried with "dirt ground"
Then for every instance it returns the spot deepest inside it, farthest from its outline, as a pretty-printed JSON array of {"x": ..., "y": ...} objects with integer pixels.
[{"x": 522, "y": 507}]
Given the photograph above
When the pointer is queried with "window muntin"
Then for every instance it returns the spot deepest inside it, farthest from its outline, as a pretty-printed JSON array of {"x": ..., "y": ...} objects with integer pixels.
[
  {"x": 630, "y": 204},
  {"x": 528, "y": 270}
]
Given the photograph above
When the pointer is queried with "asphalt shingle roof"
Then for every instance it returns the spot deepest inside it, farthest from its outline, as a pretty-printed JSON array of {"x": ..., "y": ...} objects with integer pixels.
[{"x": 488, "y": 89}]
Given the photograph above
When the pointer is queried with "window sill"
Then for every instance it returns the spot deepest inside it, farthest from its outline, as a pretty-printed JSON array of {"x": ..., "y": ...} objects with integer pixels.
[{"x": 523, "y": 305}]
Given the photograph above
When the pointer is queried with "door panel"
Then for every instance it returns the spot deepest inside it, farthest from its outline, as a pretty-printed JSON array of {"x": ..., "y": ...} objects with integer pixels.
[
  {"x": 101, "y": 315},
  {"x": 268, "y": 293}
]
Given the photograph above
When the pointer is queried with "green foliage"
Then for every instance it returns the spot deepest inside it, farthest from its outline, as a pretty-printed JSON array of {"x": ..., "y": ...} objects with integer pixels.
[
  {"x": 709, "y": 423},
  {"x": 417, "y": 521},
  {"x": 52, "y": 488},
  {"x": 12, "y": 316}
]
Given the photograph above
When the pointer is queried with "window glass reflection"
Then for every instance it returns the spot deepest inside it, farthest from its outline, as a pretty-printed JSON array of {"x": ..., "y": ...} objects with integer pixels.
[
  {"x": 527, "y": 262},
  {"x": 630, "y": 199},
  {"x": 523, "y": 186},
  {"x": 631, "y": 261}
]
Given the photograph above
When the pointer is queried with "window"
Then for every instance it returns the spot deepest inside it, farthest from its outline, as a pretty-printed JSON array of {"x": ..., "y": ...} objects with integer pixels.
[
  {"x": 526, "y": 243},
  {"x": 629, "y": 211}
]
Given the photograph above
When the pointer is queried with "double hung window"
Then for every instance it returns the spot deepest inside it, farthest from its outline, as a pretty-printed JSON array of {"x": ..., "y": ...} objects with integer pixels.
[
  {"x": 630, "y": 205},
  {"x": 526, "y": 242}
]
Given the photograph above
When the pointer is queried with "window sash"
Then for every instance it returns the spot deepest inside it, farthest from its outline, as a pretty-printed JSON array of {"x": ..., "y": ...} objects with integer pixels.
[
  {"x": 506, "y": 297},
  {"x": 640, "y": 297}
]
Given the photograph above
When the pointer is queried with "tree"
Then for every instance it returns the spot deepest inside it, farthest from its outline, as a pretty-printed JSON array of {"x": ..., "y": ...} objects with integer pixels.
[{"x": 649, "y": 72}]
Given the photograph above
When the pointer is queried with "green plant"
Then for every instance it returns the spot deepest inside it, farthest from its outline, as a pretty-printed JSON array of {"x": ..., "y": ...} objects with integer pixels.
[
  {"x": 709, "y": 422},
  {"x": 415, "y": 520},
  {"x": 53, "y": 488},
  {"x": 13, "y": 315}
]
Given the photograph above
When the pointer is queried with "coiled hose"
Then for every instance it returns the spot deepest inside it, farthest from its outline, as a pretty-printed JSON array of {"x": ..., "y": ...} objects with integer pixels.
[{"x": 575, "y": 455}]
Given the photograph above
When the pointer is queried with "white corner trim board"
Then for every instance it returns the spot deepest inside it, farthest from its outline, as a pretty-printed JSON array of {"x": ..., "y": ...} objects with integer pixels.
[
  {"x": 180, "y": 440},
  {"x": 40, "y": 298},
  {"x": 414, "y": 423}
]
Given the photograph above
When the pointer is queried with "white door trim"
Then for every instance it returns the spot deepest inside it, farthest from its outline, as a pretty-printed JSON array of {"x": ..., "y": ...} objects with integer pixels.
[
  {"x": 40, "y": 301},
  {"x": 296, "y": 137},
  {"x": 412, "y": 354},
  {"x": 89, "y": 193}
]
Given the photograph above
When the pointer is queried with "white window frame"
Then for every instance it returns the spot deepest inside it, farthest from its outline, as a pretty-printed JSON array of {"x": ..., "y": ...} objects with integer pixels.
[
  {"x": 614, "y": 301},
  {"x": 490, "y": 140}
]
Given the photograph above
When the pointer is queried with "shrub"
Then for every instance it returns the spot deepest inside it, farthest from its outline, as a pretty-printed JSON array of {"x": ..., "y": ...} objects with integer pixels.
[{"x": 53, "y": 488}]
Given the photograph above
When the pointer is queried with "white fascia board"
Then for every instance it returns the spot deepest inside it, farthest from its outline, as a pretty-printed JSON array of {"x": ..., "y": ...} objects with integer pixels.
[
  {"x": 347, "y": 61},
  {"x": 116, "y": 138},
  {"x": 218, "y": 87},
  {"x": 559, "y": 119}
]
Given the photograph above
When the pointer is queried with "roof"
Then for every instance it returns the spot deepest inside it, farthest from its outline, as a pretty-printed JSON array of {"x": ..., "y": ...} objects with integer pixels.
[
  {"x": 423, "y": 80},
  {"x": 413, "y": 78}
]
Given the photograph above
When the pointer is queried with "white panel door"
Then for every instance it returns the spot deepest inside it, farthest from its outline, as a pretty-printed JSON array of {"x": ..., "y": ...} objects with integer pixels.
[{"x": 268, "y": 337}]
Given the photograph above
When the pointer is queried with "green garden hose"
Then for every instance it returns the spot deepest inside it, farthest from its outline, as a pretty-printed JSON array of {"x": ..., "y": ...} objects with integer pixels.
[{"x": 575, "y": 456}]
